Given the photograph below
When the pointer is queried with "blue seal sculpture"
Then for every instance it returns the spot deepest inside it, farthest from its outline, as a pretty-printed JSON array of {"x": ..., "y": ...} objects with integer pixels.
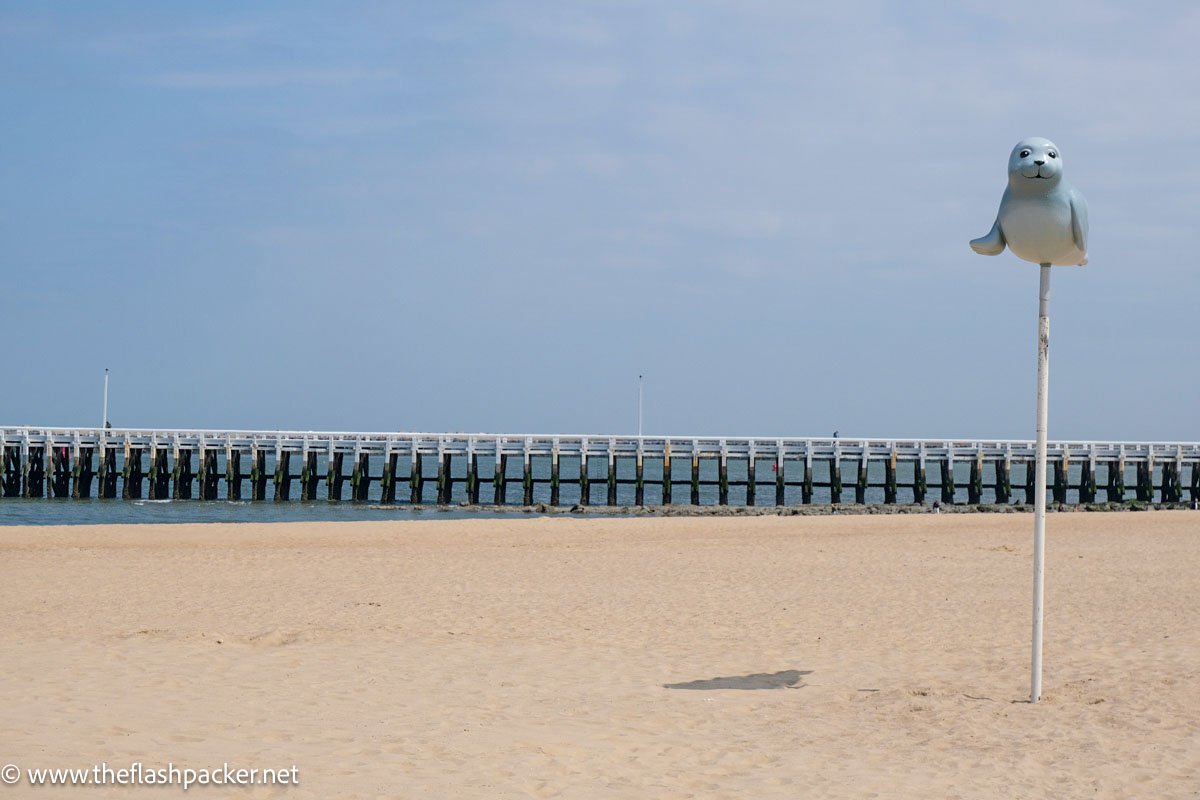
[{"x": 1042, "y": 218}]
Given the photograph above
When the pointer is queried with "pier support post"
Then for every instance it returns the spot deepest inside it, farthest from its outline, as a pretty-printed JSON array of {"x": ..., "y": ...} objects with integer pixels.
[
  {"x": 695, "y": 477},
  {"x": 666, "y": 475},
  {"x": 11, "y": 480},
  {"x": 1087, "y": 481},
  {"x": 1172, "y": 488},
  {"x": 1195, "y": 488},
  {"x": 473, "y": 466},
  {"x": 334, "y": 477},
  {"x": 82, "y": 473},
  {"x": 612, "y": 477},
  {"x": 258, "y": 474},
  {"x": 947, "y": 468},
  {"x": 182, "y": 474},
  {"x": 585, "y": 480},
  {"x": 233, "y": 474},
  {"x": 806, "y": 485},
  {"x": 890, "y": 488},
  {"x": 779, "y": 479},
  {"x": 526, "y": 477},
  {"x": 639, "y": 480},
  {"x": 835, "y": 480},
  {"x": 1003, "y": 480},
  {"x": 360, "y": 477},
  {"x": 500, "y": 479},
  {"x": 1114, "y": 491},
  {"x": 975, "y": 486},
  {"x": 159, "y": 485},
  {"x": 554, "y": 476},
  {"x": 60, "y": 480},
  {"x": 1030, "y": 476},
  {"x": 416, "y": 480},
  {"x": 1060, "y": 479},
  {"x": 387, "y": 481},
  {"x": 920, "y": 483},
  {"x": 210, "y": 477},
  {"x": 310, "y": 476},
  {"x": 444, "y": 485},
  {"x": 107, "y": 475},
  {"x": 860, "y": 485},
  {"x": 33, "y": 472},
  {"x": 723, "y": 479},
  {"x": 283, "y": 475},
  {"x": 1145, "y": 480}
]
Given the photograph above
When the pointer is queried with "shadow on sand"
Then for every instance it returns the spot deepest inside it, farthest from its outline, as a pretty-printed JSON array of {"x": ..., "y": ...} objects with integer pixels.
[{"x": 788, "y": 679}]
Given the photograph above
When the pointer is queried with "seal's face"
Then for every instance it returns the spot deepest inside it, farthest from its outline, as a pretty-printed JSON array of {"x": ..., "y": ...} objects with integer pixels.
[{"x": 1034, "y": 164}]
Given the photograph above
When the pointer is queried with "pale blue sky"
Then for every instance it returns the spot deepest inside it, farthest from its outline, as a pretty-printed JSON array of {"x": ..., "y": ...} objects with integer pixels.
[{"x": 495, "y": 215}]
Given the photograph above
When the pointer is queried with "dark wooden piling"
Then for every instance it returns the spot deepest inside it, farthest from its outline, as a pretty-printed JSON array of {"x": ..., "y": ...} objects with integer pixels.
[
  {"x": 283, "y": 475},
  {"x": 473, "y": 479},
  {"x": 158, "y": 487},
  {"x": 1114, "y": 489},
  {"x": 723, "y": 479},
  {"x": 1003, "y": 485},
  {"x": 258, "y": 474},
  {"x": 612, "y": 478},
  {"x": 946, "y": 466},
  {"x": 334, "y": 476},
  {"x": 639, "y": 481},
  {"x": 554, "y": 481},
  {"x": 33, "y": 472},
  {"x": 1061, "y": 471},
  {"x": 500, "y": 480},
  {"x": 182, "y": 474},
  {"x": 10, "y": 481},
  {"x": 806, "y": 485},
  {"x": 445, "y": 480},
  {"x": 860, "y": 484},
  {"x": 387, "y": 481},
  {"x": 835, "y": 480},
  {"x": 780, "y": 485},
  {"x": 920, "y": 482},
  {"x": 416, "y": 478},
  {"x": 107, "y": 474},
  {"x": 360, "y": 477},
  {"x": 751, "y": 479},
  {"x": 1030, "y": 479},
  {"x": 666, "y": 477},
  {"x": 310, "y": 476},
  {"x": 1087, "y": 481},
  {"x": 60, "y": 476},
  {"x": 82, "y": 473},
  {"x": 210, "y": 477},
  {"x": 585, "y": 481},
  {"x": 1145, "y": 481},
  {"x": 1172, "y": 486},
  {"x": 233, "y": 474},
  {"x": 890, "y": 487},
  {"x": 695, "y": 478},
  {"x": 1195, "y": 488},
  {"x": 131, "y": 473},
  {"x": 527, "y": 478},
  {"x": 975, "y": 483}
]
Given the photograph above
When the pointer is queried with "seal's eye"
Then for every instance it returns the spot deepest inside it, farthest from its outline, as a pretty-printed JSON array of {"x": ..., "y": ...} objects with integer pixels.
[
  {"x": 1024, "y": 154},
  {"x": 1052, "y": 154}
]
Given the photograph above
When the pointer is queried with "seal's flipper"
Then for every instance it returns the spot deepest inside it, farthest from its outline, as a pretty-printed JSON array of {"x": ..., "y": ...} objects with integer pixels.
[
  {"x": 1079, "y": 222},
  {"x": 992, "y": 244}
]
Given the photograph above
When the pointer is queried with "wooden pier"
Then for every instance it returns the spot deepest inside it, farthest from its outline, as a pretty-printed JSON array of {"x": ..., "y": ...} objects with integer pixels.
[{"x": 524, "y": 470}]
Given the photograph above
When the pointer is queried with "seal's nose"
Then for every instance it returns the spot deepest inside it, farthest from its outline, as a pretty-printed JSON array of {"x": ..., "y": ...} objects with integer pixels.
[{"x": 1040, "y": 163}]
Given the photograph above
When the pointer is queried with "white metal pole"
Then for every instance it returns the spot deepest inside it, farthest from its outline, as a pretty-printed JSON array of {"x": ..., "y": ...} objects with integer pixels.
[
  {"x": 639, "y": 405},
  {"x": 1039, "y": 498},
  {"x": 104, "y": 422}
]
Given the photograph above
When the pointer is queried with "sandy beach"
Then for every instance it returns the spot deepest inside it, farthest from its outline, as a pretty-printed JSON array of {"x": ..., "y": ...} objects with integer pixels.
[{"x": 800, "y": 657}]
